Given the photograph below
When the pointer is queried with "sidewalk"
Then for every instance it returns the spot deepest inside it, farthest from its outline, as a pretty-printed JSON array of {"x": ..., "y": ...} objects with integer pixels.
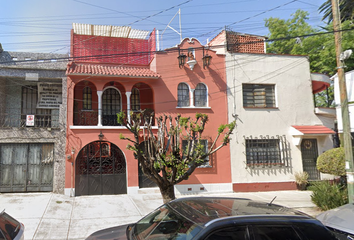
[{"x": 52, "y": 216}]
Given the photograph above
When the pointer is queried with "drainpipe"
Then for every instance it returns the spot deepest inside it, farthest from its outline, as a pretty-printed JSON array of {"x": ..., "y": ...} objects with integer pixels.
[{"x": 72, "y": 172}]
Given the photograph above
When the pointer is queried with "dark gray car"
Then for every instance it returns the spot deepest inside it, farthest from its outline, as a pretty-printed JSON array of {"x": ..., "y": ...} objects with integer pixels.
[
  {"x": 340, "y": 220},
  {"x": 220, "y": 218}
]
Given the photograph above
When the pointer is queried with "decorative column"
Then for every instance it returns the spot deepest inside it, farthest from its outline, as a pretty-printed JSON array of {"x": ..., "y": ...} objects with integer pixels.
[
  {"x": 128, "y": 104},
  {"x": 192, "y": 98},
  {"x": 99, "y": 95}
]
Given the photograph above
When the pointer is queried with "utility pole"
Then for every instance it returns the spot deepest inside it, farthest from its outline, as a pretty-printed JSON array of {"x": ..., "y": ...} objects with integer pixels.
[{"x": 343, "y": 100}]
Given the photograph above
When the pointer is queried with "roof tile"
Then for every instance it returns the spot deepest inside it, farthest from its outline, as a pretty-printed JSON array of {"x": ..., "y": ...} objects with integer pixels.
[{"x": 118, "y": 71}]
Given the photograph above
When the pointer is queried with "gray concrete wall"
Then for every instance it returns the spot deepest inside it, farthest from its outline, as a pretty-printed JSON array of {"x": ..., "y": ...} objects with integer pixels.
[{"x": 12, "y": 78}]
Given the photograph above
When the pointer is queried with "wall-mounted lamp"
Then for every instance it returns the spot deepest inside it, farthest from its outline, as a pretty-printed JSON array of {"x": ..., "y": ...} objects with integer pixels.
[
  {"x": 72, "y": 151},
  {"x": 206, "y": 60},
  {"x": 100, "y": 136},
  {"x": 181, "y": 58}
]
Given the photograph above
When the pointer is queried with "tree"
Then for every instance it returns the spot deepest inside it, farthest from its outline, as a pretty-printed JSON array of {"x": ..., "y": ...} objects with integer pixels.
[
  {"x": 318, "y": 45},
  {"x": 346, "y": 8},
  {"x": 161, "y": 156}
]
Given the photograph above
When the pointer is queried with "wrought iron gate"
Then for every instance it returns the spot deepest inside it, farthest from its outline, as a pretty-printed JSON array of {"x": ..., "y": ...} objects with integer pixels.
[
  {"x": 26, "y": 167},
  {"x": 144, "y": 181},
  {"x": 309, "y": 154},
  {"x": 100, "y": 169}
]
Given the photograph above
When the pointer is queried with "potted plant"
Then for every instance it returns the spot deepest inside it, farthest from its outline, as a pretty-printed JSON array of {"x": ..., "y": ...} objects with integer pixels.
[{"x": 301, "y": 179}]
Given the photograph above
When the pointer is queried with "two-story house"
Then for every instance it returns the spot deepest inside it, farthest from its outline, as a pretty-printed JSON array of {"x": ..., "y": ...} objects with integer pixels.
[
  {"x": 280, "y": 132},
  {"x": 32, "y": 121},
  {"x": 114, "y": 69}
]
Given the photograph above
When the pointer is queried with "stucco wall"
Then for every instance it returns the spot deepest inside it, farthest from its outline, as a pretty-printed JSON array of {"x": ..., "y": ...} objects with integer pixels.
[{"x": 294, "y": 106}]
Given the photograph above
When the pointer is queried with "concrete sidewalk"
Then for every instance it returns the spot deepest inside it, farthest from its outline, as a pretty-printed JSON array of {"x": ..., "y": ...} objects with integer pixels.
[{"x": 52, "y": 216}]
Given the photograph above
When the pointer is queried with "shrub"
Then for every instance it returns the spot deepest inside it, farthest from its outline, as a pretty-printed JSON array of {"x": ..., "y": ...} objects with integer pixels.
[
  {"x": 301, "y": 179},
  {"x": 332, "y": 162},
  {"x": 327, "y": 195}
]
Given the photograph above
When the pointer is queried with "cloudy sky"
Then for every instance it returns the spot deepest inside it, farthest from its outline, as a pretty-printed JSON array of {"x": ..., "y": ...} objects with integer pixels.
[{"x": 44, "y": 25}]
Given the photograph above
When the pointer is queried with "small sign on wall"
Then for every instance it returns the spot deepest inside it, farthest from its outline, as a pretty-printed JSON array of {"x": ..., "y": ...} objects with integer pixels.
[
  {"x": 30, "y": 120},
  {"x": 49, "y": 95}
]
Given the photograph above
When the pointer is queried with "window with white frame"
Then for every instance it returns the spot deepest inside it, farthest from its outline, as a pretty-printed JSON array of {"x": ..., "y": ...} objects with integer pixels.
[
  {"x": 135, "y": 100},
  {"x": 258, "y": 95},
  {"x": 183, "y": 95},
  {"x": 200, "y": 95},
  {"x": 204, "y": 143}
]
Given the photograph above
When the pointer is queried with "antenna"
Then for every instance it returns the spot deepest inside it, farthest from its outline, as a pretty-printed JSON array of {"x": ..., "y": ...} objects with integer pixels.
[
  {"x": 269, "y": 204},
  {"x": 180, "y": 26}
]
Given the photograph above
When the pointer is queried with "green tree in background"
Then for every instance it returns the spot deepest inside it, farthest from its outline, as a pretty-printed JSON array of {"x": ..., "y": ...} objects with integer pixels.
[
  {"x": 346, "y": 8},
  {"x": 318, "y": 45}
]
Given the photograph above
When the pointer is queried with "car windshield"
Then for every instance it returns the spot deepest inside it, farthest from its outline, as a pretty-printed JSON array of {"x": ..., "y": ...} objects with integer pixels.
[{"x": 165, "y": 223}]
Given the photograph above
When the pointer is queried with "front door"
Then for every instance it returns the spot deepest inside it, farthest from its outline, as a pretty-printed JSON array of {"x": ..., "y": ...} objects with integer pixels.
[
  {"x": 309, "y": 154},
  {"x": 100, "y": 169},
  {"x": 26, "y": 167}
]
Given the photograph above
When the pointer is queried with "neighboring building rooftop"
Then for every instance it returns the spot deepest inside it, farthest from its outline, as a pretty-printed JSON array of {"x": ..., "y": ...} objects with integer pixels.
[
  {"x": 28, "y": 60},
  {"x": 109, "y": 31}
]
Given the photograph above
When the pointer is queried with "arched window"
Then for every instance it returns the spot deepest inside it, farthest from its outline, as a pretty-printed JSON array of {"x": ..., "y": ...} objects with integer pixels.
[
  {"x": 87, "y": 99},
  {"x": 183, "y": 95},
  {"x": 200, "y": 95},
  {"x": 135, "y": 100},
  {"x": 111, "y": 105}
]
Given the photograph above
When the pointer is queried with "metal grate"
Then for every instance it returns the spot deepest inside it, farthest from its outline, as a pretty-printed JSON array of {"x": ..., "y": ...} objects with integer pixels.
[
  {"x": 267, "y": 151},
  {"x": 28, "y": 107},
  {"x": 258, "y": 95},
  {"x": 100, "y": 169}
]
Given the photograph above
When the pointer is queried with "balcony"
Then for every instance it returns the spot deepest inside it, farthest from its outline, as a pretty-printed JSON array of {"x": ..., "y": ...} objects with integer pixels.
[
  {"x": 11, "y": 120},
  {"x": 91, "y": 117}
]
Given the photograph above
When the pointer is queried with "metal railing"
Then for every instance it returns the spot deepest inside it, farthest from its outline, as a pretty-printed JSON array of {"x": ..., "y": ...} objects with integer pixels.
[
  {"x": 8, "y": 120},
  {"x": 90, "y": 118}
]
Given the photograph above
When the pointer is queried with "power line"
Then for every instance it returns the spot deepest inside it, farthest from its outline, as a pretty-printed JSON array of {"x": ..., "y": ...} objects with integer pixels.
[{"x": 144, "y": 53}]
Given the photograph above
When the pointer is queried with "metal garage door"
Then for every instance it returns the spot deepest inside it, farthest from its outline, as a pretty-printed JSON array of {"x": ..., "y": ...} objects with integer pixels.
[{"x": 26, "y": 167}]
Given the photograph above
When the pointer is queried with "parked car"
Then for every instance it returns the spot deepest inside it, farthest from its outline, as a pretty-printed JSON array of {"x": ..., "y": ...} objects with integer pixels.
[
  {"x": 220, "y": 218},
  {"x": 340, "y": 221},
  {"x": 10, "y": 228}
]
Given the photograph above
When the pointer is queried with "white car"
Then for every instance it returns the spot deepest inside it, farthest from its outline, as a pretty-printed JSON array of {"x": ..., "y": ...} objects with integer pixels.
[
  {"x": 10, "y": 228},
  {"x": 340, "y": 221}
]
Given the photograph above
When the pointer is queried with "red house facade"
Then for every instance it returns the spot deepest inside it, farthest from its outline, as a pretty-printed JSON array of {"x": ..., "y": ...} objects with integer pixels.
[{"x": 114, "y": 69}]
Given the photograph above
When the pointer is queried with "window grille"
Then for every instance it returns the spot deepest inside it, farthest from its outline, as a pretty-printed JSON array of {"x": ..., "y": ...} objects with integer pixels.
[
  {"x": 266, "y": 151},
  {"x": 200, "y": 95},
  {"x": 29, "y": 107},
  {"x": 183, "y": 95},
  {"x": 135, "y": 100},
  {"x": 111, "y": 105},
  {"x": 87, "y": 98},
  {"x": 258, "y": 95}
]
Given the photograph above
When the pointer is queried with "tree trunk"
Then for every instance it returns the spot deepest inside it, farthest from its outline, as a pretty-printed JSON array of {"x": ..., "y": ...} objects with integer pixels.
[{"x": 168, "y": 193}]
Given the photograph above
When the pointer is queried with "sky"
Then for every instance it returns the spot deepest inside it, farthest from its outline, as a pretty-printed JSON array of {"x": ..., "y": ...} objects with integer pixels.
[{"x": 44, "y": 25}]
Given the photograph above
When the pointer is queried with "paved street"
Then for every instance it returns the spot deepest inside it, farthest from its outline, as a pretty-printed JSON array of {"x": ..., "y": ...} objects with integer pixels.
[{"x": 52, "y": 216}]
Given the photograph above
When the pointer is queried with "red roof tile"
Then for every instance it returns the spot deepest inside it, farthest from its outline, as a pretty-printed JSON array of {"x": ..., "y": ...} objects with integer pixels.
[
  {"x": 316, "y": 129},
  {"x": 108, "y": 70}
]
